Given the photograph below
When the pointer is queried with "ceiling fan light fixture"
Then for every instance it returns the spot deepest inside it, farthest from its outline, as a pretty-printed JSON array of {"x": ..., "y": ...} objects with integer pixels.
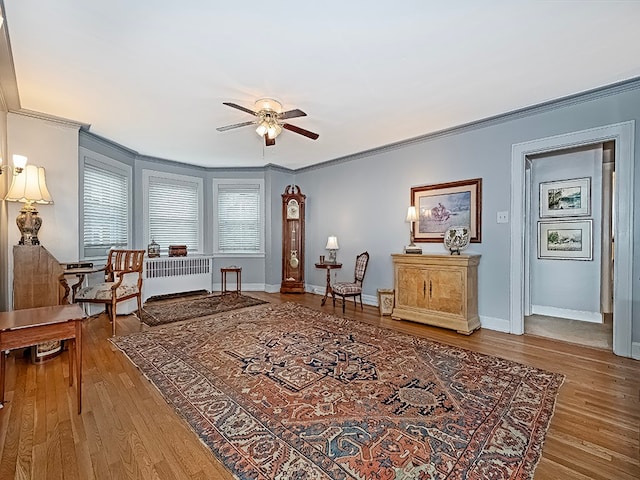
[
  {"x": 274, "y": 130},
  {"x": 268, "y": 104},
  {"x": 262, "y": 128}
]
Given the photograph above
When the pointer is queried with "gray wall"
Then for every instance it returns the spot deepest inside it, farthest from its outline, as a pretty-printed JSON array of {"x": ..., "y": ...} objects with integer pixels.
[
  {"x": 567, "y": 284},
  {"x": 363, "y": 199}
]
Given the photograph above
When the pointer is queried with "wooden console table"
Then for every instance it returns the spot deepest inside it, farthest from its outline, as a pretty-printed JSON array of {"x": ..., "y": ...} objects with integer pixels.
[
  {"x": 30, "y": 326},
  {"x": 328, "y": 267}
]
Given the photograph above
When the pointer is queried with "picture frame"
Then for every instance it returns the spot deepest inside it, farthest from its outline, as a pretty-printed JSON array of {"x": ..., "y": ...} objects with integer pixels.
[
  {"x": 445, "y": 205},
  {"x": 565, "y": 198},
  {"x": 565, "y": 240}
]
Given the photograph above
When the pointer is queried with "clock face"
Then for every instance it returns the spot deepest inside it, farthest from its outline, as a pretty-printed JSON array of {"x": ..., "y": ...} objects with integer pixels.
[{"x": 293, "y": 209}]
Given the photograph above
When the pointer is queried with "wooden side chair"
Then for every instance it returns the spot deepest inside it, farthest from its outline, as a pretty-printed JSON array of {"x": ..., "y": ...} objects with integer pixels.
[
  {"x": 352, "y": 289},
  {"x": 123, "y": 280}
]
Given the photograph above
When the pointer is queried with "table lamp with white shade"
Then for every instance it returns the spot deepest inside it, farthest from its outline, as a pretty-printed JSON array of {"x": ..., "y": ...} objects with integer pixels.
[
  {"x": 412, "y": 217},
  {"x": 29, "y": 187},
  {"x": 332, "y": 246}
]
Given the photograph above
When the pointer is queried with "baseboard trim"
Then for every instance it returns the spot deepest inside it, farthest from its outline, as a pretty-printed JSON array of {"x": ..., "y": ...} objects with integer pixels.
[
  {"x": 319, "y": 290},
  {"x": 635, "y": 350},
  {"x": 245, "y": 287},
  {"x": 591, "y": 317},
  {"x": 272, "y": 288},
  {"x": 497, "y": 324}
]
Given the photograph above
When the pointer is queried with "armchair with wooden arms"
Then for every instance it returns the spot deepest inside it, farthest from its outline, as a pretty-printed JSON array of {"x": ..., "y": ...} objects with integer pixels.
[
  {"x": 352, "y": 289},
  {"x": 123, "y": 280}
]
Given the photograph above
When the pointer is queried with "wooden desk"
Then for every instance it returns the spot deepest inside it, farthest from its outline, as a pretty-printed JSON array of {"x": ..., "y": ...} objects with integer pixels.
[
  {"x": 80, "y": 273},
  {"x": 328, "y": 266},
  {"x": 30, "y": 326},
  {"x": 223, "y": 273}
]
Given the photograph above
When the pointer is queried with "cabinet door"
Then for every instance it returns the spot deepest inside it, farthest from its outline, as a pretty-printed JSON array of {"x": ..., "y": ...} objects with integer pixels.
[
  {"x": 446, "y": 290},
  {"x": 412, "y": 287}
]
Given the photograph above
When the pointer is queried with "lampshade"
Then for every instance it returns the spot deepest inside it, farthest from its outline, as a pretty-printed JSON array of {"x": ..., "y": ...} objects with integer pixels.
[
  {"x": 332, "y": 243},
  {"x": 274, "y": 130},
  {"x": 19, "y": 162},
  {"x": 412, "y": 215},
  {"x": 30, "y": 186},
  {"x": 262, "y": 129}
]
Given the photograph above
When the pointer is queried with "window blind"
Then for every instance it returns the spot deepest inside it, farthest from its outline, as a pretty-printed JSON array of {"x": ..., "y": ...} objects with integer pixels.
[
  {"x": 239, "y": 220},
  {"x": 105, "y": 209},
  {"x": 174, "y": 213}
]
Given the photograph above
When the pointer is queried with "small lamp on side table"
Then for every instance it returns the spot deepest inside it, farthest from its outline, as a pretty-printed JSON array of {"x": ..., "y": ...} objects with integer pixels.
[
  {"x": 412, "y": 217},
  {"x": 332, "y": 246}
]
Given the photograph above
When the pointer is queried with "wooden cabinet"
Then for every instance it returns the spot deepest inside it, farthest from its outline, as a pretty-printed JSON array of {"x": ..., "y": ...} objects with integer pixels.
[
  {"x": 36, "y": 283},
  {"x": 36, "y": 277},
  {"x": 440, "y": 290}
]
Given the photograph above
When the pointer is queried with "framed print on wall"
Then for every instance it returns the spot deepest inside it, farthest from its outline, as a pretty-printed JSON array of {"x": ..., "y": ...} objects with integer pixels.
[
  {"x": 565, "y": 240},
  {"x": 447, "y": 205},
  {"x": 565, "y": 198}
]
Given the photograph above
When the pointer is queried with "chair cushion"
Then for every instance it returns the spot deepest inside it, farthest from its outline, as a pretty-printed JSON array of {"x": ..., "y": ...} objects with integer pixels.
[
  {"x": 346, "y": 288},
  {"x": 102, "y": 291}
]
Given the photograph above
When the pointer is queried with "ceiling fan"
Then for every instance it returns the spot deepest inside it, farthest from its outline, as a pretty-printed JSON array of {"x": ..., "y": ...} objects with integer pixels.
[{"x": 269, "y": 116}]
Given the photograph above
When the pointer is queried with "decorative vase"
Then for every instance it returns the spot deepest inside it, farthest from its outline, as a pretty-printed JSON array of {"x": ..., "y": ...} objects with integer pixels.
[{"x": 456, "y": 239}]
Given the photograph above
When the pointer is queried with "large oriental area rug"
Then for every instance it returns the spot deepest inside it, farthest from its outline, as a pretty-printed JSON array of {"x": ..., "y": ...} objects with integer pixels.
[
  {"x": 286, "y": 392},
  {"x": 161, "y": 312}
]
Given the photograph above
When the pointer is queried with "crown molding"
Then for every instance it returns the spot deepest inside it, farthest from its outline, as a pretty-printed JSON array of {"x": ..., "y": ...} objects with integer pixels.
[
  {"x": 582, "y": 97},
  {"x": 50, "y": 118}
]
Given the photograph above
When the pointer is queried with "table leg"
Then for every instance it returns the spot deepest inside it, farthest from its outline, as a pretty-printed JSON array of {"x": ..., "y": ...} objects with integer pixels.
[
  {"x": 78, "y": 349},
  {"x": 76, "y": 286},
  {"x": 72, "y": 359},
  {"x": 239, "y": 282},
  {"x": 327, "y": 289},
  {"x": 2, "y": 365}
]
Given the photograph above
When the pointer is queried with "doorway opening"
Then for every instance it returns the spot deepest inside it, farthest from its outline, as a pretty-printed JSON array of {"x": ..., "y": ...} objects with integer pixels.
[
  {"x": 569, "y": 284},
  {"x": 621, "y": 137}
]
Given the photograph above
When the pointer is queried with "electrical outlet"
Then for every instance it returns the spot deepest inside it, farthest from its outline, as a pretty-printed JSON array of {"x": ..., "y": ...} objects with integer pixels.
[{"x": 502, "y": 217}]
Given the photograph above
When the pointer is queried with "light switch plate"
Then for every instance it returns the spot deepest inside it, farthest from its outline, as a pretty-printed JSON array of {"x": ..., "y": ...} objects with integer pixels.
[{"x": 503, "y": 217}]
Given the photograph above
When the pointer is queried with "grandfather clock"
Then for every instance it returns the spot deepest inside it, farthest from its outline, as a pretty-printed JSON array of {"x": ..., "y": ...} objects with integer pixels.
[{"x": 292, "y": 240}]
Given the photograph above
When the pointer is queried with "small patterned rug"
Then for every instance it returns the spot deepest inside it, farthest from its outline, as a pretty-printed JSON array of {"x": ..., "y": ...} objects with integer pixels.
[
  {"x": 288, "y": 392},
  {"x": 168, "y": 311}
]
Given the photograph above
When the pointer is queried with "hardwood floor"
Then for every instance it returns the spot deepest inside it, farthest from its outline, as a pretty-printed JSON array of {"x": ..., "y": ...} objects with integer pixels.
[{"x": 126, "y": 430}]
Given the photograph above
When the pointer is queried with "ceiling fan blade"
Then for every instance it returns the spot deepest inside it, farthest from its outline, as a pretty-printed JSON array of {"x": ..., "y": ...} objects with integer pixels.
[
  {"x": 301, "y": 131},
  {"x": 239, "y": 107},
  {"x": 236, "y": 125},
  {"x": 269, "y": 142},
  {"x": 292, "y": 114}
]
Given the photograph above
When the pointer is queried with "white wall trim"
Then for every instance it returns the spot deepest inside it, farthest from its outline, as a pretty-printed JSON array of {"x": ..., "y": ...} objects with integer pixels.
[
  {"x": 566, "y": 313},
  {"x": 245, "y": 287},
  {"x": 319, "y": 290},
  {"x": 493, "y": 323},
  {"x": 272, "y": 288},
  {"x": 623, "y": 135}
]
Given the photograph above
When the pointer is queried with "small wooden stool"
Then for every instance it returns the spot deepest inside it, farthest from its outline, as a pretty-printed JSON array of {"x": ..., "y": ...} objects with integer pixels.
[{"x": 223, "y": 274}]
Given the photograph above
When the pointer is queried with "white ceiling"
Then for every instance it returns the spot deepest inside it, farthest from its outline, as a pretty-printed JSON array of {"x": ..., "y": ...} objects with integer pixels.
[{"x": 152, "y": 75}]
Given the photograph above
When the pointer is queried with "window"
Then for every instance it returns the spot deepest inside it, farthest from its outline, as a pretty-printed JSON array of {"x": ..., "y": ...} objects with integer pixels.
[
  {"x": 238, "y": 211},
  {"x": 173, "y": 210},
  {"x": 106, "y": 190}
]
